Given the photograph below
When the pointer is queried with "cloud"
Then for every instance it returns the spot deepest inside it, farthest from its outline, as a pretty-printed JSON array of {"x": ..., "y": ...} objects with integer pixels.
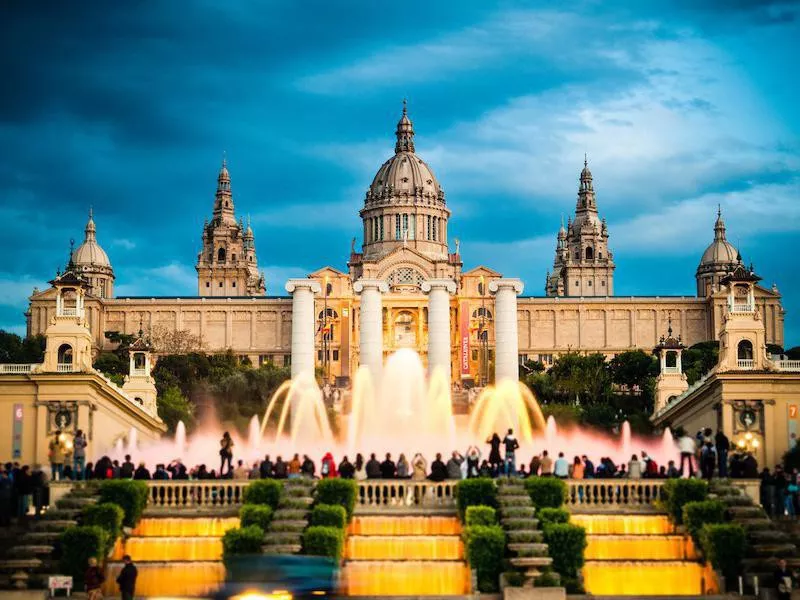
[
  {"x": 15, "y": 291},
  {"x": 172, "y": 279},
  {"x": 123, "y": 243}
]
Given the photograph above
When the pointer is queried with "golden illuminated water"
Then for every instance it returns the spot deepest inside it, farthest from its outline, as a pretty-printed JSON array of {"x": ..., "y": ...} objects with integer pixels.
[
  {"x": 641, "y": 555},
  {"x": 174, "y": 557},
  {"x": 405, "y": 556}
]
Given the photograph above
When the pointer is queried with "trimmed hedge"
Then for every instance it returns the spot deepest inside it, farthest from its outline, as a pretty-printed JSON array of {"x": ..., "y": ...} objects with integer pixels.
[
  {"x": 107, "y": 516},
  {"x": 78, "y": 545},
  {"x": 480, "y": 515},
  {"x": 480, "y": 491},
  {"x": 485, "y": 546},
  {"x": 705, "y": 512},
  {"x": 129, "y": 494},
  {"x": 677, "y": 492},
  {"x": 255, "y": 514},
  {"x": 338, "y": 491},
  {"x": 329, "y": 515},
  {"x": 724, "y": 546},
  {"x": 319, "y": 540},
  {"x": 566, "y": 544},
  {"x": 546, "y": 492},
  {"x": 266, "y": 492},
  {"x": 242, "y": 540},
  {"x": 549, "y": 516}
]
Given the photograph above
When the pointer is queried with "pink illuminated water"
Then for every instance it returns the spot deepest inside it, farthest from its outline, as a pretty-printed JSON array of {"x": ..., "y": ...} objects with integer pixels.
[{"x": 406, "y": 412}]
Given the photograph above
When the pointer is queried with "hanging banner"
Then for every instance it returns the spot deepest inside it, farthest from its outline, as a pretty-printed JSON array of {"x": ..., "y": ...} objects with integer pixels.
[
  {"x": 463, "y": 332},
  {"x": 16, "y": 442}
]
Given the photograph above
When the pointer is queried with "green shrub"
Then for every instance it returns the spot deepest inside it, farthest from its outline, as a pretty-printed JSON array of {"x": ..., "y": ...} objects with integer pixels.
[
  {"x": 514, "y": 578},
  {"x": 678, "y": 492},
  {"x": 547, "y": 579},
  {"x": 130, "y": 495},
  {"x": 255, "y": 514},
  {"x": 78, "y": 545},
  {"x": 107, "y": 516},
  {"x": 324, "y": 541},
  {"x": 724, "y": 546},
  {"x": 566, "y": 544},
  {"x": 480, "y": 491},
  {"x": 480, "y": 515},
  {"x": 705, "y": 512},
  {"x": 329, "y": 515},
  {"x": 546, "y": 492},
  {"x": 242, "y": 540},
  {"x": 485, "y": 546},
  {"x": 549, "y": 516},
  {"x": 266, "y": 492},
  {"x": 338, "y": 491}
]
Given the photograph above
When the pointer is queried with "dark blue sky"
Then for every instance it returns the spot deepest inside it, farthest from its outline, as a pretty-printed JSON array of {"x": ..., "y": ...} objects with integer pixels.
[{"x": 128, "y": 106}]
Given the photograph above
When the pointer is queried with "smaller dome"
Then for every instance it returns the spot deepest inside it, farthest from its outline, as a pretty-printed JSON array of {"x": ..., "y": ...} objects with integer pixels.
[
  {"x": 90, "y": 252},
  {"x": 720, "y": 251}
]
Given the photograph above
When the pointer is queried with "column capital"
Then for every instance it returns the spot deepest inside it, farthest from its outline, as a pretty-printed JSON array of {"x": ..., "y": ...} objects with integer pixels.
[
  {"x": 311, "y": 284},
  {"x": 370, "y": 284},
  {"x": 515, "y": 284},
  {"x": 439, "y": 284}
]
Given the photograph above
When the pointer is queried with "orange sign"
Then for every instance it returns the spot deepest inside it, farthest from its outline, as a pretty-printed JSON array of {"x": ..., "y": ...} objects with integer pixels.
[{"x": 793, "y": 411}]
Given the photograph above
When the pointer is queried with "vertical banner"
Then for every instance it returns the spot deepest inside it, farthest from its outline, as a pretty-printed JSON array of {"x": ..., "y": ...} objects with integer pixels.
[
  {"x": 16, "y": 443},
  {"x": 792, "y": 423},
  {"x": 463, "y": 333}
]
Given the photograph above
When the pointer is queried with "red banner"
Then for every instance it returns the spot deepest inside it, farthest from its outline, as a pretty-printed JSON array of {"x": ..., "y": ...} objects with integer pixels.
[{"x": 463, "y": 333}]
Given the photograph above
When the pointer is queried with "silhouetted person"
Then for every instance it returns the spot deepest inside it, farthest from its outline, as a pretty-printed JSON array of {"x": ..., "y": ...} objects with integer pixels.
[
  {"x": 373, "y": 467},
  {"x": 438, "y": 469},
  {"x": 127, "y": 579},
  {"x": 388, "y": 468}
]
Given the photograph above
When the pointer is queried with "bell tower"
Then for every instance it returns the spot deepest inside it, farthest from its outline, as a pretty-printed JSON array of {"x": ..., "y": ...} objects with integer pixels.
[
  {"x": 743, "y": 344},
  {"x": 671, "y": 380},
  {"x": 69, "y": 341},
  {"x": 139, "y": 384}
]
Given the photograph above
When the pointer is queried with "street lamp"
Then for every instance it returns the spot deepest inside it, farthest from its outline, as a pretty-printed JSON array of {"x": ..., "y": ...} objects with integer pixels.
[{"x": 749, "y": 443}]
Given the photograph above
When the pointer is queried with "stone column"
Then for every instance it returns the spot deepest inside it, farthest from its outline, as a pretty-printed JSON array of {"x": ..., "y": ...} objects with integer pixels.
[
  {"x": 439, "y": 291},
  {"x": 370, "y": 317},
  {"x": 506, "y": 353},
  {"x": 302, "y": 291}
]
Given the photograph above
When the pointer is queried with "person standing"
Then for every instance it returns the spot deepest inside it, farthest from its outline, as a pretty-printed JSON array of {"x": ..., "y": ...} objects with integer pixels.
[
  {"x": 346, "y": 469},
  {"x": 723, "y": 445},
  {"x": 126, "y": 580},
  {"x": 578, "y": 468},
  {"x": 265, "y": 468},
  {"x": 708, "y": 460},
  {"x": 511, "y": 445},
  {"x": 93, "y": 580},
  {"x": 240, "y": 472},
  {"x": 126, "y": 470},
  {"x": 420, "y": 466},
  {"x": 403, "y": 468},
  {"x": 388, "y": 468},
  {"x": 57, "y": 452},
  {"x": 79, "y": 444},
  {"x": 634, "y": 468},
  {"x": 561, "y": 467},
  {"x": 687, "y": 447},
  {"x": 473, "y": 461},
  {"x": 546, "y": 465},
  {"x": 454, "y": 466},
  {"x": 784, "y": 580},
  {"x": 225, "y": 453},
  {"x": 495, "y": 460}
]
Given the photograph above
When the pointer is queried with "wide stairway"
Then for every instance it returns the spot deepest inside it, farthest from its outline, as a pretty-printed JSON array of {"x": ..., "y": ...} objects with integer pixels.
[
  {"x": 174, "y": 556},
  {"x": 640, "y": 555},
  {"x": 405, "y": 556}
]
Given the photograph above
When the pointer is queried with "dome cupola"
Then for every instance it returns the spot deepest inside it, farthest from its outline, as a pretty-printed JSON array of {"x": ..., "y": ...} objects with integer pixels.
[
  {"x": 719, "y": 259},
  {"x": 92, "y": 262}
]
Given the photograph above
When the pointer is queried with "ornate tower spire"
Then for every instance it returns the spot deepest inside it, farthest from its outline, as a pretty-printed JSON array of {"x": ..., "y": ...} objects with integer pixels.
[
  {"x": 405, "y": 132},
  {"x": 90, "y": 230},
  {"x": 223, "y": 201},
  {"x": 719, "y": 226},
  {"x": 586, "y": 198}
]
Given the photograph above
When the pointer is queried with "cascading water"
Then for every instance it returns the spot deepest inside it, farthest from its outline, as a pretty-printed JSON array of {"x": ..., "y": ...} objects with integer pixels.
[
  {"x": 405, "y": 556},
  {"x": 641, "y": 555},
  {"x": 174, "y": 556}
]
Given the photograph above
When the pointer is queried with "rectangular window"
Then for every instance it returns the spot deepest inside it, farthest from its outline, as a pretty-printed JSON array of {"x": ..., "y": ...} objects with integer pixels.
[
  {"x": 208, "y": 284},
  {"x": 523, "y": 358},
  {"x": 590, "y": 283},
  {"x": 397, "y": 233},
  {"x": 335, "y": 355},
  {"x": 546, "y": 359},
  {"x": 405, "y": 226},
  {"x": 319, "y": 355},
  {"x": 412, "y": 227},
  {"x": 577, "y": 283},
  {"x": 234, "y": 284},
  {"x": 474, "y": 355},
  {"x": 220, "y": 284},
  {"x": 287, "y": 360},
  {"x": 433, "y": 235},
  {"x": 603, "y": 283},
  {"x": 380, "y": 224},
  {"x": 428, "y": 231}
]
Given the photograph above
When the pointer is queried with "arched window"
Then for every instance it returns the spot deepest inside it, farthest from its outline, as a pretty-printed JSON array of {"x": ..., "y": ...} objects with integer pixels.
[
  {"x": 405, "y": 330},
  {"x": 221, "y": 255},
  {"x": 139, "y": 400},
  {"x": 482, "y": 312},
  {"x": 65, "y": 354},
  {"x": 745, "y": 350},
  {"x": 600, "y": 256},
  {"x": 328, "y": 325},
  {"x": 589, "y": 253}
]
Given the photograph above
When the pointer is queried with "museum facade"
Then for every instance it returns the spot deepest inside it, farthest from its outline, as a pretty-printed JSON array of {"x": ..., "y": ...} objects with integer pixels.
[{"x": 408, "y": 257}]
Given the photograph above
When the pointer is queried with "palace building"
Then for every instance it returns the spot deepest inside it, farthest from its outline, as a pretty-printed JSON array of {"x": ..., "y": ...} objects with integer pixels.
[{"x": 405, "y": 268}]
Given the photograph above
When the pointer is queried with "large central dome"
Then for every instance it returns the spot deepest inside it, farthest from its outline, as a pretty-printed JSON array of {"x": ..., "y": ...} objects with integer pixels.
[{"x": 405, "y": 203}]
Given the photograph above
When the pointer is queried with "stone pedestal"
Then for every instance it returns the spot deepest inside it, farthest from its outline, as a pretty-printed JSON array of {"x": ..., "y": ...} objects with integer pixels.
[
  {"x": 506, "y": 366},
  {"x": 439, "y": 355},
  {"x": 302, "y": 291},
  {"x": 370, "y": 317}
]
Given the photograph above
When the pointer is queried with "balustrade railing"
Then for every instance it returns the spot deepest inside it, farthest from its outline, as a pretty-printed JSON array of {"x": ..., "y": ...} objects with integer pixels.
[
  {"x": 139, "y": 372},
  {"x": 671, "y": 370},
  {"x": 610, "y": 493},
  {"x": 9, "y": 368},
  {"x": 788, "y": 365},
  {"x": 65, "y": 368},
  {"x": 745, "y": 363},
  {"x": 742, "y": 308},
  {"x": 214, "y": 494},
  {"x": 68, "y": 312},
  {"x": 405, "y": 494}
]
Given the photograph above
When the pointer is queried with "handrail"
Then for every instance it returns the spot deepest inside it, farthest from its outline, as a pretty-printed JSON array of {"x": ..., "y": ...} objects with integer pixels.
[
  {"x": 18, "y": 368},
  {"x": 745, "y": 363},
  {"x": 405, "y": 494},
  {"x": 210, "y": 493}
]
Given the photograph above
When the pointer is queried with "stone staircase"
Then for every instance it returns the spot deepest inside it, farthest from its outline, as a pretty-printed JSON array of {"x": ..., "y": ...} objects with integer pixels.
[
  {"x": 524, "y": 539},
  {"x": 31, "y": 556},
  {"x": 767, "y": 540},
  {"x": 285, "y": 533}
]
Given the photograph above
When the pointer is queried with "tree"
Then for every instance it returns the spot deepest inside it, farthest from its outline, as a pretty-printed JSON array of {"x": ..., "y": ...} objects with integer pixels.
[
  {"x": 111, "y": 364},
  {"x": 172, "y": 341},
  {"x": 699, "y": 360},
  {"x": 17, "y": 350},
  {"x": 173, "y": 407},
  {"x": 631, "y": 369},
  {"x": 581, "y": 379}
]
